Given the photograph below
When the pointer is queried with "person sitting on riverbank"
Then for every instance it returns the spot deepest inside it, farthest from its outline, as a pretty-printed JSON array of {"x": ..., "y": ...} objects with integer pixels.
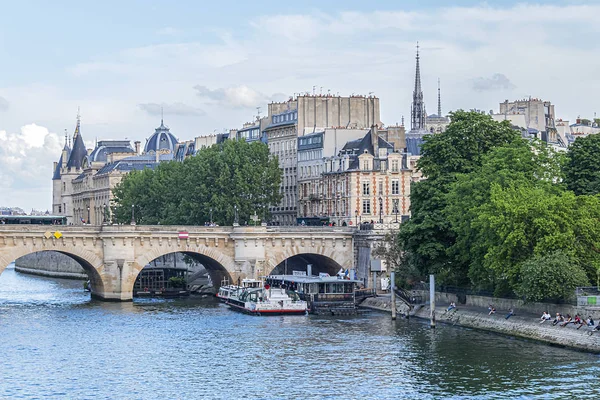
[
  {"x": 491, "y": 309},
  {"x": 582, "y": 322},
  {"x": 545, "y": 317},
  {"x": 451, "y": 307},
  {"x": 559, "y": 318},
  {"x": 589, "y": 321},
  {"x": 510, "y": 314},
  {"x": 567, "y": 320}
]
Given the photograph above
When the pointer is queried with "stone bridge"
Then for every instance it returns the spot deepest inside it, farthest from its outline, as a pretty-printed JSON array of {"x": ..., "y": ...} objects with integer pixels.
[{"x": 114, "y": 255}]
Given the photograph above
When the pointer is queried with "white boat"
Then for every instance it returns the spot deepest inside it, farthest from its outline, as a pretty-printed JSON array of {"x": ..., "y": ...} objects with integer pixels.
[
  {"x": 227, "y": 291},
  {"x": 268, "y": 301}
]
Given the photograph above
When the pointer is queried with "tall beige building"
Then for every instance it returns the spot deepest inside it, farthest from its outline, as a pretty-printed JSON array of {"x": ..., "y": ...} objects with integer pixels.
[{"x": 304, "y": 116}]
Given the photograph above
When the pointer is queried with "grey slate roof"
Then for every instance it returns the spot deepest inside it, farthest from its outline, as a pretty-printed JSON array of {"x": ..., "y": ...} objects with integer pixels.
[
  {"x": 79, "y": 151},
  {"x": 106, "y": 147},
  {"x": 357, "y": 147},
  {"x": 59, "y": 165},
  {"x": 414, "y": 140},
  {"x": 161, "y": 139}
]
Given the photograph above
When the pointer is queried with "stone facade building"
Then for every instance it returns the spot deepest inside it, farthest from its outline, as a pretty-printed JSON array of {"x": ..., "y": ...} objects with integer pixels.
[
  {"x": 308, "y": 115},
  {"x": 84, "y": 180},
  {"x": 367, "y": 181}
]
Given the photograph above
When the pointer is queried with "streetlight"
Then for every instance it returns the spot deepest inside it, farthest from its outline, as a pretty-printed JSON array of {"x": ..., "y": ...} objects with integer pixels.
[
  {"x": 396, "y": 206},
  {"x": 235, "y": 218},
  {"x": 88, "y": 219},
  {"x": 133, "y": 214},
  {"x": 356, "y": 216},
  {"x": 380, "y": 210},
  {"x": 211, "y": 221}
]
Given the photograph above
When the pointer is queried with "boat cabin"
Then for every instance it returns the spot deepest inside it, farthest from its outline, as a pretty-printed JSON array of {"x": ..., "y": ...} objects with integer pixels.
[{"x": 315, "y": 289}]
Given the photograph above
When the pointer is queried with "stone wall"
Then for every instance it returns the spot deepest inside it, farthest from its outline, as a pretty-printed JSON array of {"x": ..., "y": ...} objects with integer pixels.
[
  {"x": 502, "y": 304},
  {"x": 50, "y": 263}
]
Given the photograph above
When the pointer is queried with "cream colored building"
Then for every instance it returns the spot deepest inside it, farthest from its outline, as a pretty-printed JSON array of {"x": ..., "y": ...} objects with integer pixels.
[
  {"x": 367, "y": 181},
  {"x": 83, "y": 180}
]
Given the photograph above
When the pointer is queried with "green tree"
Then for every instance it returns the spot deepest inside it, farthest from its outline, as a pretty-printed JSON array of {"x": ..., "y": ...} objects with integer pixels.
[
  {"x": 582, "y": 168},
  {"x": 550, "y": 277},
  {"x": 219, "y": 178},
  {"x": 521, "y": 163},
  {"x": 427, "y": 235}
]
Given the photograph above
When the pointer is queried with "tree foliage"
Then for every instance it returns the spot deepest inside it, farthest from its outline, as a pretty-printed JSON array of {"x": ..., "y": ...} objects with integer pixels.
[
  {"x": 427, "y": 235},
  {"x": 219, "y": 177},
  {"x": 582, "y": 169},
  {"x": 550, "y": 277}
]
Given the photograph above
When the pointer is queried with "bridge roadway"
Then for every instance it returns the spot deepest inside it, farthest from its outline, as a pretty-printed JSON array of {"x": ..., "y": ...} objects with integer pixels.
[{"x": 114, "y": 255}]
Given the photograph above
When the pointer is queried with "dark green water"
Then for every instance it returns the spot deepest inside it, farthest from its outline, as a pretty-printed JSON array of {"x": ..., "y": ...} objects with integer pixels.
[{"x": 57, "y": 343}]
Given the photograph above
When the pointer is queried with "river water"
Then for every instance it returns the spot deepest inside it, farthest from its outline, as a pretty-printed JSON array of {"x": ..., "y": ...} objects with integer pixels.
[{"x": 57, "y": 343}]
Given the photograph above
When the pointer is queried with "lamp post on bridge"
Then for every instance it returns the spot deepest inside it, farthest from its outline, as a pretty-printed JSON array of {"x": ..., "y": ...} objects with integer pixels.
[
  {"x": 88, "y": 216},
  {"x": 133, "y": 214},
  {"x": 380, "y": 210},
  {"x": 211, "y": 219},
  {"x": 396, "y": 207}
]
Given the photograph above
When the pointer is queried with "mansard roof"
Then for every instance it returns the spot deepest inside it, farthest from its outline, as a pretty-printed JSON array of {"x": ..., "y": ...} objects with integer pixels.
[{"x": 106, "y": 147}]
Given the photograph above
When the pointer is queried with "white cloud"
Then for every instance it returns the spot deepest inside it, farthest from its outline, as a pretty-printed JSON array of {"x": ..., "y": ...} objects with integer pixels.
[
  {"x": 26, "y": 160},
  {"x": 495, "y": 82},
  {"x": 181, "y": 109},
  {"x": 238, "y": 96}
]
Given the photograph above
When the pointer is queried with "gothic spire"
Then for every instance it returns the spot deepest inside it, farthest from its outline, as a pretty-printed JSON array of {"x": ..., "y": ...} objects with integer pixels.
[
  {"x": 417, "y": 107},
  {"x": 439, "y": 100}
]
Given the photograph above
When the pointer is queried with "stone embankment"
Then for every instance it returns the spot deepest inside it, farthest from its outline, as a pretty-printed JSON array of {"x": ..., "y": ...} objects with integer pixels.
[{"x": 523, "y": 325}]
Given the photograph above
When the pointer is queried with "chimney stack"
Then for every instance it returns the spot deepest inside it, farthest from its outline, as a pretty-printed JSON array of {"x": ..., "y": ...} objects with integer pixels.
[{"x": 137, "y": 147}]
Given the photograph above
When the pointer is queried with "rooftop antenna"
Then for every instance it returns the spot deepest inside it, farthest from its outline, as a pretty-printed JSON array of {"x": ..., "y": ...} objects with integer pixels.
[
  {"x": 314, "y": 88},
  {"x": 258, "y": 112},
  {"x": 370, "y": 93},
  {"x": 403, "y": 120},
  {"x": 439, "y": 100},
  {"x": 321, "y": 91},
  {"x": 66, "y": 137},
  {"x": 161, "y": 115}
]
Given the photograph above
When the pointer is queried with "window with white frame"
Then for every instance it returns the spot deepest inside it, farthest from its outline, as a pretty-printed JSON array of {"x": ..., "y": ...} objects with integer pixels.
[
  {"x": 395, "y": 187},
  {"x": 366, "y": 207},
  {"x": 366, "y": 189}
]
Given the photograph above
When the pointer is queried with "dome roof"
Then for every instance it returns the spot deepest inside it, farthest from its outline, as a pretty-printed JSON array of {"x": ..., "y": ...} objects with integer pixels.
[{"x": 161, "y": 139}]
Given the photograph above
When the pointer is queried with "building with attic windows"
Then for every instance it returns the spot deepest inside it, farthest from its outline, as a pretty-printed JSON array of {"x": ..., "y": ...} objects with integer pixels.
[
  {"x": 84, "y": 179},
  {"x": 367, "y": 181}
]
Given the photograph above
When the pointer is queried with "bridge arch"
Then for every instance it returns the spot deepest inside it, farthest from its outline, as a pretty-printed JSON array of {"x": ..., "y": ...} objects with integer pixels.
[
  {"x": 89, "y": 261},
  {"x": 323, "y": 259},
  {"x": 217, "y": 264}
]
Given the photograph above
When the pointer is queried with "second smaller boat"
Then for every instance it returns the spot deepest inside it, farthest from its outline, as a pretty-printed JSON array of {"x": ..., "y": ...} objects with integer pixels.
[{"x": 268, "y": 301}]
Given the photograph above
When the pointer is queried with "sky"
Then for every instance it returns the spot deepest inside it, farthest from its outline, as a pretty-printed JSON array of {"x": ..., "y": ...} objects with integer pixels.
[{"x": 209, "y": 65}]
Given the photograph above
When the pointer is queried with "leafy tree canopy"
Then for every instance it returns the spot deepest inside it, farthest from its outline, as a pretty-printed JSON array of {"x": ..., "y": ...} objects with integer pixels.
[
  {"x": 219, "y": 177},
  {"x": 582, "y": 168}
]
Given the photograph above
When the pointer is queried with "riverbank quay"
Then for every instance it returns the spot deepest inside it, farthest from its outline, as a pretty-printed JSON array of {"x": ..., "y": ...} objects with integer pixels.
[{"x": 522, "y": 324}]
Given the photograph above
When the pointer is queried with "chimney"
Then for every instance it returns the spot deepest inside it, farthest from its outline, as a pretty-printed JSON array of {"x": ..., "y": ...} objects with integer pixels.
[
  {"x": 375, "y": 140},
  {"x": 137, "y": 147}
]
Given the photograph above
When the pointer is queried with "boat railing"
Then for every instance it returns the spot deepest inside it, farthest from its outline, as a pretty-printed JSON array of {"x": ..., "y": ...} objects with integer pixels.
[
  {"x": 333, "y": 297},
  {"x": 361, "y": 294}
]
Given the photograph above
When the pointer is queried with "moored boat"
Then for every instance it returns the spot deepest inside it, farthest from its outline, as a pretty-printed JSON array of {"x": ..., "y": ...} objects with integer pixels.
[
  {"x": 227, "y": 291},
  {"x": 268, "y": 301}
]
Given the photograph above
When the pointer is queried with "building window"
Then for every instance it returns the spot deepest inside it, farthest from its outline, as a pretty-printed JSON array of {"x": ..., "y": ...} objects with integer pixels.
[
  {"x": 395, "y": 166},
  {"x": 396, "y": 203},
  {"x": 366, "y": 189},
  {"x": 366, "y": 166},
  {"x": 395, "y": 187},
  {"x": 380, "y": 187},
  {"x": 366, "y": 207},
  {"x": 59, "y": 208}
]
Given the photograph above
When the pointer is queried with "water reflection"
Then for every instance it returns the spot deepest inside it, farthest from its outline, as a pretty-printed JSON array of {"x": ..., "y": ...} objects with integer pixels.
[{"x": 57, "y": 343}]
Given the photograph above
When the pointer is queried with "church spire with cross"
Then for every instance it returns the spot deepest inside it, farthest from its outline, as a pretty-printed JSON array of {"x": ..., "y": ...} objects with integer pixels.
[{"x": 417, "y": 111}]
